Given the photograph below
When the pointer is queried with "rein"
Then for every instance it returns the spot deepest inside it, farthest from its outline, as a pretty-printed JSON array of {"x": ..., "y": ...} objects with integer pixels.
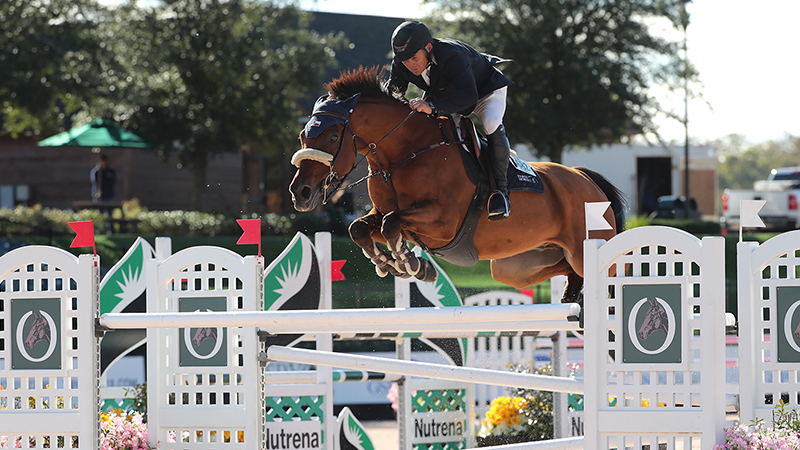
[{"x": 386, "y": 174}]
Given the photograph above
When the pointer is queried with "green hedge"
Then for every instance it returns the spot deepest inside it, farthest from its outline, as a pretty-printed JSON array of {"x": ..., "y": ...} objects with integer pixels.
[
  {"x": 696, "y": 227},
  {"x": 36, "y": 220}
]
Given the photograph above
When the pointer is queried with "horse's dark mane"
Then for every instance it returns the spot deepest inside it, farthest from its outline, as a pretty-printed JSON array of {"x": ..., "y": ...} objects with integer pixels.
[{"x": 370, "y": 82}]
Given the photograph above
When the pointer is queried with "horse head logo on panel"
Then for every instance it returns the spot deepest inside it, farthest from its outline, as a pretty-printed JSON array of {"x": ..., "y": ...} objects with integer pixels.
[
  {"x": 655, "y": 319},
  {"x": 41, "y": 329},
  {"x": 201, "y": 335},
  {"x": 658, "y": 316}
]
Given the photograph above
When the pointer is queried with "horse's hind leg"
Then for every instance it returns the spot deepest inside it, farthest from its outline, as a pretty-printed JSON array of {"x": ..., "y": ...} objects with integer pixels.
[
  {"x": 361, "y": 233},
  {"x": 572, "y": 293},
  {"x": 406, "y": 260},
  {"x": 537, "y": 265},
  {"x": 531, "y": 267}
]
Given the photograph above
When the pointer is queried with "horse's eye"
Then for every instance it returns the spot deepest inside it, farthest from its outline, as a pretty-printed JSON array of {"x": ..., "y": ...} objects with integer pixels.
[{"x": 334, "y": 138}]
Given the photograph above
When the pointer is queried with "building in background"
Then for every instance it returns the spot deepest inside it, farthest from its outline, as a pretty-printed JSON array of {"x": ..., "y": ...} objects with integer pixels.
[{"x": 645, "y": 173}]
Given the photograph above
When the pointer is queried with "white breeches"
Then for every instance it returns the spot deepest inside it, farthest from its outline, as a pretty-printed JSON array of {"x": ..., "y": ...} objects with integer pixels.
[{"x": 491, "y": 108}]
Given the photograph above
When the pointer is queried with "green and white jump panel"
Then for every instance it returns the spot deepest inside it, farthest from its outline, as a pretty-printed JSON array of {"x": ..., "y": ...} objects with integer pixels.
[
  {"x": 49, "y": 358},
  {"x": 439, "y": 415},
  {"x": 769, "y": 325},
  {"x": 296, "y": 416},
  {"x": 654, "y": 309},
  {"x": 205, "y": 387}
]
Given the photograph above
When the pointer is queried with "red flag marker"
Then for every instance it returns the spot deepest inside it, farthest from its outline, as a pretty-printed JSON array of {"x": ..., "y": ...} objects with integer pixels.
[
  {"x": 336, "y": 270},
  {"x": 84, "y": 234},
  {"x": 529, "y": 293},
  {"x": 252, "y": 232}
]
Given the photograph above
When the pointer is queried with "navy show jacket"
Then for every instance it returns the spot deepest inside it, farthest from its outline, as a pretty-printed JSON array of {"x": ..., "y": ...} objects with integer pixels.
[{"x": 459, "y": 74}]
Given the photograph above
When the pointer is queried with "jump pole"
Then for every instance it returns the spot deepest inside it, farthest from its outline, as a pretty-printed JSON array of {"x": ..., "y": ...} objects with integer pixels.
[
  {"x": 425, "y": 370},
  {"x": 571, "y": 443},
  {"x": 344, "y": 318},
  {"x": 427, "y": 334},
  {"x": 338, "y": 376},
  {"x": 430, "y": 330}
]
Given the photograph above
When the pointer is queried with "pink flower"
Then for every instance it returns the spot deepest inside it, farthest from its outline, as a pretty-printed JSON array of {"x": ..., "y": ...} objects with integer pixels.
[{"x": 123, "y": 431}]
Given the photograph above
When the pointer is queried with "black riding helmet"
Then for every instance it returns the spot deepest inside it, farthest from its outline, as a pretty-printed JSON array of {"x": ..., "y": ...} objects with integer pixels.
[{"x": 409, "y": 38}]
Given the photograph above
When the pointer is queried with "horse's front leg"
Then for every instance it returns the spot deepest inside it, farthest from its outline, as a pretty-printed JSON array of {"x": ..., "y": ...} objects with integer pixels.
[
  {"x": 407, "y": 261},
  {"x": 361, "y": 233}
]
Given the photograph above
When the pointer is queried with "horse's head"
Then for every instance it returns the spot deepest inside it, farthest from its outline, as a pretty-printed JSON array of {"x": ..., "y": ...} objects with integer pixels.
[
  {"x": 328, "y": 143},
  {"x": 325, "y": 156}
]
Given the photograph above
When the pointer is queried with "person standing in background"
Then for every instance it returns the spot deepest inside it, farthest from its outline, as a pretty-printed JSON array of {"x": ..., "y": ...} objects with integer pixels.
[{"x": 103, "y": 179}]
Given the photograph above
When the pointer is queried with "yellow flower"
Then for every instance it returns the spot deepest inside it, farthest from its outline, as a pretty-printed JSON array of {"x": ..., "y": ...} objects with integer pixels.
[{"x": 505, "y": 411}]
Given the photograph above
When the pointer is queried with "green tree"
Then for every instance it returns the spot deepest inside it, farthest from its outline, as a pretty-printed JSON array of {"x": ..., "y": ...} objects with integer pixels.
[
  {"x": 742, "y": 163},
  {"x": 582, "y": 69},
  {"x": 206, "y": 77},
  {"x": 51, "y": 62}
]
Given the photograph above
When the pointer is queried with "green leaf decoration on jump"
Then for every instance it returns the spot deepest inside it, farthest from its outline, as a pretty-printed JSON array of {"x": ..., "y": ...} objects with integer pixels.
[
  {"x": 125, "y": 281},
  {"x": 352, "y": 435},
  {"x": 440, "y": 293},
  {"x": 292, "y": 275},
  {"x": 443, "y": 289}
]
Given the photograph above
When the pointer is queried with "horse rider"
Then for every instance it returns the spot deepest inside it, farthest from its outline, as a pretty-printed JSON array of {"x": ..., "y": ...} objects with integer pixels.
[{"x": 456, "y": 78}]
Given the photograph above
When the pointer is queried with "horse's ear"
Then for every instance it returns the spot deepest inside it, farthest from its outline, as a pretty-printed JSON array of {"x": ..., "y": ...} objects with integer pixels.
[
  {"x": 651, "y": 301},
  {"x": 319, "y": 102},
  {"x": 350, "y": 103}
]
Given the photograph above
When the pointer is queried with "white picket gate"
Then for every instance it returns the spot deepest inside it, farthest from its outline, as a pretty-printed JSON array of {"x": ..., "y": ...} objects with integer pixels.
[
  {"x": 769, "y": 340},
  {"x": 204, "y": 392},
  {"x": 668, "y": 393},
  {"x": 49, "y": 359}
]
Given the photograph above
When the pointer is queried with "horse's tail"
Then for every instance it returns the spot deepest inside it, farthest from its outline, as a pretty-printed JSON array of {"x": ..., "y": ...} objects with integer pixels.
[{"x": 614, "y": 195}]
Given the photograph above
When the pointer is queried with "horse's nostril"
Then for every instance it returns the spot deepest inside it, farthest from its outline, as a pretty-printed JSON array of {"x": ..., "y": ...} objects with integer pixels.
[{"x": 305, "y": 193}]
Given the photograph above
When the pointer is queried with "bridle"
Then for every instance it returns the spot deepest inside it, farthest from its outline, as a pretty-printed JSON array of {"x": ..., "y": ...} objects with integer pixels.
[{"x": 333, "y": 182}]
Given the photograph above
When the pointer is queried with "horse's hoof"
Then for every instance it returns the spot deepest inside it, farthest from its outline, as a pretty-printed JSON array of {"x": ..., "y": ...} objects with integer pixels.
[
  {"x": 572, "y": 298},
  {"x": 427, "y": 273},
  {"x": 381, "y": 272}
]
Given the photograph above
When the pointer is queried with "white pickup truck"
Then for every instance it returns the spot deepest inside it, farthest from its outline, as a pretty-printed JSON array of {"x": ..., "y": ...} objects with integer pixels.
[{"x": 782, "y": 193}]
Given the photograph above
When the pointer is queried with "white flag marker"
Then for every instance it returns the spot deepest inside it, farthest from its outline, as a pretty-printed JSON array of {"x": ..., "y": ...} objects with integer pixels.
[
  {"x": 748, "y": 214},
  {"x": 594, "y": 216}
]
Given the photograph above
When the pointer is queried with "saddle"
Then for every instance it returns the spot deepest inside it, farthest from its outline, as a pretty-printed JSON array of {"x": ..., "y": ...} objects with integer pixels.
[
  {"x": 461, "y": 250},
  {"x": 521, "y": 176}
]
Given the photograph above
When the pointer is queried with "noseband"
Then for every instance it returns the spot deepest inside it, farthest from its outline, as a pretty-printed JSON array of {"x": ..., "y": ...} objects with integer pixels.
[{"x": 333, "y": 181}]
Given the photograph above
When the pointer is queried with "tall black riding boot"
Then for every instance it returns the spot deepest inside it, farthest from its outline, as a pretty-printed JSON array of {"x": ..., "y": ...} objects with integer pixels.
[{"x": 499, "y": 204}]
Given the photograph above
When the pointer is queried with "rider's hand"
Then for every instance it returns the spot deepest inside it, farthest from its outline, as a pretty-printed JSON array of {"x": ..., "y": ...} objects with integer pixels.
[{"x": 420, "y": 105}]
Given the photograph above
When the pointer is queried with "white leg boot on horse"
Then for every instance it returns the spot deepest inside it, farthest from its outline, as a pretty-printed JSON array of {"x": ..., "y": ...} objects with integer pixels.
[
  {"x": 407, "y": 262},
  {"x": 385, "y": 263},
  {"x": 499, "y": 205}
]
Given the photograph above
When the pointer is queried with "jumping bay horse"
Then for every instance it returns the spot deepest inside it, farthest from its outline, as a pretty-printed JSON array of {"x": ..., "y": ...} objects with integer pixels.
[{"x": 421, "y": 192}]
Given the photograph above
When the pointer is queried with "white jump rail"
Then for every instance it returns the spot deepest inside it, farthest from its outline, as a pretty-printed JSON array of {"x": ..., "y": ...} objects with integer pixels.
[
  {"x": 299, "y": 321},
  {"x": 572, "y": 443},
  {"x": 442, "y": 329},
  {"x": 426, "y": 370}
]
